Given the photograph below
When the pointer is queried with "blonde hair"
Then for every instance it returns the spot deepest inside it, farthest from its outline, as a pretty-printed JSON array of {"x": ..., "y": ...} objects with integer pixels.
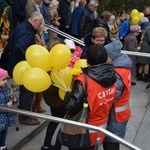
[
  {"x": 54, "y": 4},
  {"x": 82, "y": 2},
  {"x": 99, "y": 32}
]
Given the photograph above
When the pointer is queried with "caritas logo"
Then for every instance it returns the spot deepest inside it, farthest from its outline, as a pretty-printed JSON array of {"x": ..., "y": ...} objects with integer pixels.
[{"x": 108, "y": 95}]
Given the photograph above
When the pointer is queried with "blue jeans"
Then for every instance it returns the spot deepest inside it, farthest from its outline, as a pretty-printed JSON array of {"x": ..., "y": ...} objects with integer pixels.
[{"x": 3, "y": 135}]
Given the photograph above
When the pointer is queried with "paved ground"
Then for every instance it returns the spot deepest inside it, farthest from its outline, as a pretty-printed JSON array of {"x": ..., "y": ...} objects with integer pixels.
[{"x": 138, "y": 129}]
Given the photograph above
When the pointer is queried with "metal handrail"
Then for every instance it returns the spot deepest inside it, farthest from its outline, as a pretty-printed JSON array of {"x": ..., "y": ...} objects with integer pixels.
[
  {"x": 61, "y": 120},
  {"x": 65, "y": 35},
  {"x": 82, "y": 42},
  {"x": 135, "y": 53}
]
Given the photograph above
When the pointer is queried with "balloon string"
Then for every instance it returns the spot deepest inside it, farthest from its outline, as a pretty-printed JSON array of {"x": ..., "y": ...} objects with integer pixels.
[
  {"x": 62, "y": 79},
  {"x": 63, "y": 84},
  {"x": 59, "y": 87}
]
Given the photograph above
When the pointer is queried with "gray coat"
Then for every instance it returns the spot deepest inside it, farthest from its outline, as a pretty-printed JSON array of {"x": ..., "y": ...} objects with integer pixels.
[
  {"x": 145, "y": 48},
  {"x": 130, "y": 44}
]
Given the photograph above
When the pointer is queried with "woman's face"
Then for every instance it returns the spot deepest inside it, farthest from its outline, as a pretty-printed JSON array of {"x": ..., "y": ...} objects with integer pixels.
[{"x": 99, "y": 40}]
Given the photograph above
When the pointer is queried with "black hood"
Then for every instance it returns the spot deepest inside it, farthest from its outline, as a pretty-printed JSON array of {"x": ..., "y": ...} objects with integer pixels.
[{"x": 104, "y": 74}]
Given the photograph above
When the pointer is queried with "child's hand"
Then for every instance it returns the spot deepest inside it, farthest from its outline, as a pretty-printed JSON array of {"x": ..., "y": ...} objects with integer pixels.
[
  {"x": 68, "y": 89},
  {"x": 9, "y": 104},
  {"x": 138, "y": 48},
  {"x": 15, "y": 100}
]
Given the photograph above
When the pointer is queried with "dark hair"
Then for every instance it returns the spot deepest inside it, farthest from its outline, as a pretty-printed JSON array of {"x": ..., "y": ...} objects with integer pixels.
[
  {"x": 105, "y": 16},
  {"x": 96, "y": 54}
]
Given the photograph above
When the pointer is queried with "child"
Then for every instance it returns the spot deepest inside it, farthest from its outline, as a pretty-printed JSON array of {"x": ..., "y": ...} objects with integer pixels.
[
  {"x": 123, "y": 26},
  {"x": 75, "y": 50},
  {"x": 6, "y": 118}
]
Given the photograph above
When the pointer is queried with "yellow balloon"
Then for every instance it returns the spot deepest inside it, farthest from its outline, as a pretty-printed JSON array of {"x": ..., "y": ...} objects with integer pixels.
[
  {"x": 135, "y": 20},
  {"x": 62, "y": 78},
  {"x": 61, "y": 94},
  {"x": 19, "y": 71},
  {"x": 134, "y": 13},
  {"x": 36, "y": 80},
  {"x": 141, "y": 15},
  {"x": 60, "y": 56},
  {"x": 38, "y": 56},
  {"x": 80, "y": 64}
]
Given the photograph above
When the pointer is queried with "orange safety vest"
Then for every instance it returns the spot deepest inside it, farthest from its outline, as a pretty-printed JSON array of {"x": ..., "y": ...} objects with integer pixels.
[
  {"x": 122, "y": 108},
  {"x": 100, "y": 100}
]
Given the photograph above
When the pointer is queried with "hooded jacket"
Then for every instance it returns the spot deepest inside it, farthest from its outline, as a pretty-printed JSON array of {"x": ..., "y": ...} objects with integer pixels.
[
  {"x": 101, "y": 92},
  {"x": 103, "y": 74}
]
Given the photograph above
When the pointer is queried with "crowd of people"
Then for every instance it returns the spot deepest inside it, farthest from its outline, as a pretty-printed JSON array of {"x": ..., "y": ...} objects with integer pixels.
[{"x": 104, "y": 35}]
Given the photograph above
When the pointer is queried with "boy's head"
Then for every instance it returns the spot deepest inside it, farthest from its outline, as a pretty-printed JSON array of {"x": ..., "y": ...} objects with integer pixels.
[
  {"x": 3, "y": 76},
  {"x": 96, "y": 54},
  {"x": 114, "y": 49},
  {"x": 122, "y": 16},
  {"x": 82, "y": 2},
  {"x": 70, "y": 44},
  {"x": 99, "y": 35}
]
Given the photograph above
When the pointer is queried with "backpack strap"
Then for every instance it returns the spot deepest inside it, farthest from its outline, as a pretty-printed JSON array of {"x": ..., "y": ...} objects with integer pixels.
[{"x": 86, "y": 85}]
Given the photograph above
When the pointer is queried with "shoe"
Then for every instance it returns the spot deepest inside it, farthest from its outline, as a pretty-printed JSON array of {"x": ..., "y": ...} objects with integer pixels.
[
  {"x": 34, "y": 118},
  {"x": 139, "y": 77},
  {"x": 49, "y": 148},
  {"x": 22, "y": 118},
  {"x": 146, "y": 80},
  {"x": 30, "y": 122},
  {"x": 133, "y": 83},
  {"x": 148, "y": 86},
  {"x": 38, "y": 109},
  {"x": 3, "y": 148}
]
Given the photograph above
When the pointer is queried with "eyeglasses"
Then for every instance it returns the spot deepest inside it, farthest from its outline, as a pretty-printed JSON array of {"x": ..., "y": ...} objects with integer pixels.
[{"x": 99, "y": 41}]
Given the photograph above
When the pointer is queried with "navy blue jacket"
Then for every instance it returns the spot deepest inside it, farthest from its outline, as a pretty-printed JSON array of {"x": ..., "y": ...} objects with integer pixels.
[
  {"x": 75, "y": 19},
  {"x": 45, "y": 12},
  {"x": 19, "y": 10},
  {"x": 23, "y": 37}
]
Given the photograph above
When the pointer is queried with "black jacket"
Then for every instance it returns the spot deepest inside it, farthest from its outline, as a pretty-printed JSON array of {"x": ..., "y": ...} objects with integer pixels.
[
  {"x": 86, "y": 23},
  {"x": 104, "y": 74},
  {"x": 64, "y": 12}
]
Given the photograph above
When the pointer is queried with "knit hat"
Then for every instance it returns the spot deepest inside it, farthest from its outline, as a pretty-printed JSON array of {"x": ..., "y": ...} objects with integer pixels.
[
  {"x": 135, "y": 28},
  {"x": 144, "y": 19},
  {"x": 112, "y": 17},
  {"x": 114, "y": 49},
  {"x": 3, "y": 74},
  {"x": 70, "y": 44}
]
